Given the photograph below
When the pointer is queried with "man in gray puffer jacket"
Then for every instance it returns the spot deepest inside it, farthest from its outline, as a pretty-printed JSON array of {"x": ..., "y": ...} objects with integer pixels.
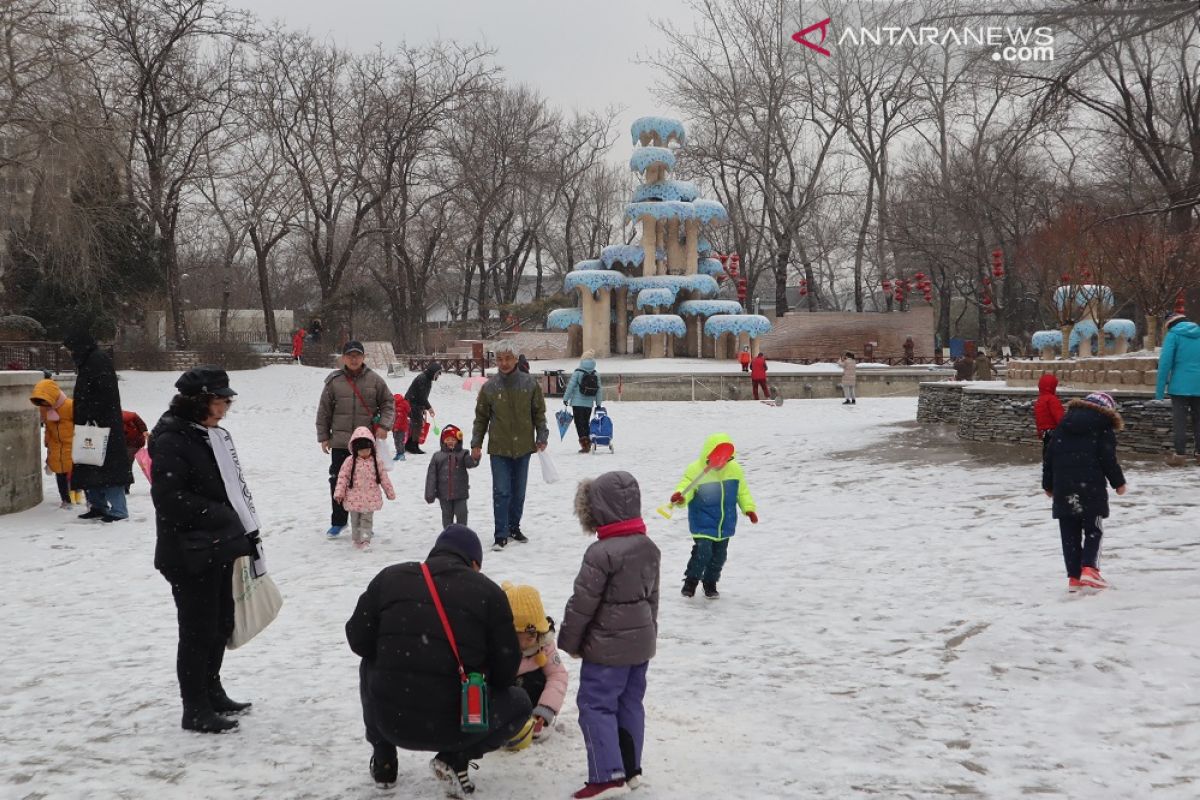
[
  {"x": 611, "y": 622},
  {"x": 353, "y": 397}
]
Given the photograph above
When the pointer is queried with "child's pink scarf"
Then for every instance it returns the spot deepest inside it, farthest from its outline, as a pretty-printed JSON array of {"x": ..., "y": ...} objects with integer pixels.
[{"x": 52, "y": 414}]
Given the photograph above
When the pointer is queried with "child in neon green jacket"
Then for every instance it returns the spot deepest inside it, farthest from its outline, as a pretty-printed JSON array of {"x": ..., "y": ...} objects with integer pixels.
[{"x": 713, "y": 505}]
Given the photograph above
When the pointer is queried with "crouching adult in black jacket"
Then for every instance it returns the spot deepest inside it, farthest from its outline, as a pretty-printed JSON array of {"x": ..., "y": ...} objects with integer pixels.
[
  {"x": 408, "y": 679},
  {"x": 200, "y": 535}
]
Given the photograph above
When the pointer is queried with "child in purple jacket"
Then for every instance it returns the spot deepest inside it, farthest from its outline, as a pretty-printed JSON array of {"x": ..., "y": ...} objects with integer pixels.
[{"x": 611, "y": 622}]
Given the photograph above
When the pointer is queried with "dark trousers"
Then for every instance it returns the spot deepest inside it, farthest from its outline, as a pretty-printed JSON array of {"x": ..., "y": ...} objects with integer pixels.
[
  {"x": 763, "y": 383},
  {"x": 204, "y": 604},
  {"x": 583, "y": 416},
  {"x": 63, "y": 480},
  {"x": 1182, "y": 407},
  {"x": 508, "y": 711},
  {"x": 454, "y": 512},
  {"x": 338, "y": 515},
  {"x": 1080, "y": 542},
  {"x": 708, "y": 557},
  {"x": 416, "y": 423},
  {"x": 399, "y": 438},
  {"x": 509, "y": 478}
]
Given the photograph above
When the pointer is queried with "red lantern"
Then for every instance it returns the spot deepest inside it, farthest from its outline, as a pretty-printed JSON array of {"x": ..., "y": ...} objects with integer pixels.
[
  {"x": 920, "y": 276},
  {"x": 1180, "y": 308},
  {"x": 987, "y": 281},
  {"x": 987, "y": 301},
  {"x": 1066, "y": 278},
  {"x": 803, "y": 292}
]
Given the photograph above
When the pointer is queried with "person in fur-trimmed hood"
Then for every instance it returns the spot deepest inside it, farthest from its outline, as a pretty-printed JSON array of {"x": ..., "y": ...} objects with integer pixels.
[
  {"x": 447, "y": 480},
  {"x": 1081, "y": 457},
  {"x": 611, "y": 622},
  {"x": 542, "y": 674}
]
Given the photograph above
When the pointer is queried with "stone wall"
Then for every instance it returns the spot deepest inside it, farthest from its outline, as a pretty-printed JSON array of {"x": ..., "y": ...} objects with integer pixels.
[
  {"x": 998, "y": 414},
  {"x": 20, "y": 441},
  {"x": 827, "y": 334},
  {"x": 890, "y": 382},
  {"x": 1089, "y": 374}
]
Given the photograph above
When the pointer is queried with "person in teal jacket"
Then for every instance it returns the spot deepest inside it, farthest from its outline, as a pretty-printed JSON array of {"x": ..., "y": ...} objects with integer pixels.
[
  {"x": 1179, "y": 376},
  {"x": 583, "y": 380},
  {"x": 713, "y": 505}
]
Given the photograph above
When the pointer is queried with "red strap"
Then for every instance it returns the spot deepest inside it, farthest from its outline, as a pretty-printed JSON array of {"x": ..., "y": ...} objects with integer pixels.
[
  {"x": 437, "y": 603},
  {"x": 354, "y": 386}
]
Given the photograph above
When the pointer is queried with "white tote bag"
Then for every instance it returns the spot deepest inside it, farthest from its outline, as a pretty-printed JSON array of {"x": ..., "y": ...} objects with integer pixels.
[
  {"x": 383, "y": 449},
  {"x": 90, "y": 445},
  {"x": 549, "y": 471},
  {"x": 256, "y": 602}
]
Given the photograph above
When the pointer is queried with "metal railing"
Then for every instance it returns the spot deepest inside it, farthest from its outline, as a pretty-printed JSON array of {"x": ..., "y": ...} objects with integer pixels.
[{"x": 51, "y": 356}]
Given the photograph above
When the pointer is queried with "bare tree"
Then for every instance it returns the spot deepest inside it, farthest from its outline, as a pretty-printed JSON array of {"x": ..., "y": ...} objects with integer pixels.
[{"x": 168, "y": 73}]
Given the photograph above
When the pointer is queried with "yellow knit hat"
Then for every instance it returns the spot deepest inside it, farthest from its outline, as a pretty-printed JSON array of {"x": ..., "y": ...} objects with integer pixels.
[{"x": 527, "y": 609}]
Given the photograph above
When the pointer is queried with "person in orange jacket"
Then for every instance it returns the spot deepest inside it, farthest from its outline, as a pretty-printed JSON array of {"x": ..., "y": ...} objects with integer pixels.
[
  {"x": 298, "y": 344},
  {"x": 58, "y": 416},
  {"x": 744, "y": 359}
]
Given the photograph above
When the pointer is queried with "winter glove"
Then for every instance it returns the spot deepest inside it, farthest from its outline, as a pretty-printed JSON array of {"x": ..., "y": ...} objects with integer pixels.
[
  {"x": 254, "y": 538},
  {"x": 753, "y": 517},
  {"x": 48, "y": 470},
  {"x": 429, "y": 500},
  {"x": 676, "y": 499}
]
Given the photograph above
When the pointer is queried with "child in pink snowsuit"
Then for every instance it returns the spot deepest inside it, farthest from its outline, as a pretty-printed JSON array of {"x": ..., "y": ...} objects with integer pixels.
[
  {"x": 361, "y": 485},
  {"x": 542, "y": 674}
]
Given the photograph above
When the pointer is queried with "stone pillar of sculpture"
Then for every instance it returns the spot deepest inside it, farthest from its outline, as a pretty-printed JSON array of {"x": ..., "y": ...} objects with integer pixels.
[
  {"x": 1085, "y": 346},
  {"x": 743, "y": 341},
  {"x": 695, "y": 331},
  {"x": 575, "y": 341},
  {"x": 621, "y": 328},
  {"x": 691, "y": 254},
  {"x": 1047, "y": 353},
  {"x": 649, "y": 238},
  {"x": 596, "y": 320},
  {"x": 1120, "y": 346},
  {"x": 1066, "y": 340},
  {"x": 660, "y": 243},
  {"x": 675, "y": 265},
  {"x": 708, "y": 344},
  {"x": 754, "y": 347}
]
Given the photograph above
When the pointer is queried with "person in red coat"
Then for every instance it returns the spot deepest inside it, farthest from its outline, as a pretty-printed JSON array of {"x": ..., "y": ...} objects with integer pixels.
[
  {"x": 1048, "y": 410},
  {"x": 298, "y": 344},
  {"x": 758, "y": 375},
  {"x": 134, "y": 432},
  {"x": 400, "y": 426}
]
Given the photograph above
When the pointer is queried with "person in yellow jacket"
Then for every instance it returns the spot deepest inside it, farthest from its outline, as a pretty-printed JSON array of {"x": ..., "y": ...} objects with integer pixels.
[
  {"x": 713, "y": 504},
  {"x": 58, "y": 417}
]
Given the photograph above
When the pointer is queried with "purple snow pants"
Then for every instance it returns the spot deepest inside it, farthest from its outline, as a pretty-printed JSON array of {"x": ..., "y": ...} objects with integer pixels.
[{"x": 613, "y": 719}]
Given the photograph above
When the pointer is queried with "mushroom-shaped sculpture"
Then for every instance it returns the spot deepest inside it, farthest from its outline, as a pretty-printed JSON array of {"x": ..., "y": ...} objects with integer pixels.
[
  {"x": 695, "y": 312},
  {"x": 734, "y": 331},
  {"x": 643, "y": 158},
  {"x": 591, "y": 263},
  {"x": 1122, "y": 331},
  {"x": 684, "y": 191},
  {"x": 710, "y": 266},
  {"x": 657, "y": 330},
  {"x": 1081, "y": 297},
  {"x": 596, "y": 287},
  {"x": 659, "y": 131},
  {"x": 697, "y": 284},
  {"x": 561, "y": 319},
  {"x": 1081, "y": 337},
  {"x": 1045, "y": 343},
  {"x": 655, "y": 298}
]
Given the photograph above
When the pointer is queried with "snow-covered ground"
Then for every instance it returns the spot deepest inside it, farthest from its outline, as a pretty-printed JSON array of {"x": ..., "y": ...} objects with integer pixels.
[{"x": 896, "y": 626}]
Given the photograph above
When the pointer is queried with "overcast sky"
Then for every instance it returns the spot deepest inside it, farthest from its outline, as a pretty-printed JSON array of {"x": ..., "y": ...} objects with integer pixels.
[{"x": 577, "y": 54}]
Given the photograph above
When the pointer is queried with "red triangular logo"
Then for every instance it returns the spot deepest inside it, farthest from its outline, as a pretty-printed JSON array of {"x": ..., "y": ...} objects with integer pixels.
[{"x": 823, "y": 25}]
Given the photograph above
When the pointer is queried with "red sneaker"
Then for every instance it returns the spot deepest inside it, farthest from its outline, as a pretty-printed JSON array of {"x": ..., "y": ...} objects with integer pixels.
[
  {"x": 606, "y": 789},
  {"x": 1074, "y": 584},
  {"x": 1091, "y": 579}
]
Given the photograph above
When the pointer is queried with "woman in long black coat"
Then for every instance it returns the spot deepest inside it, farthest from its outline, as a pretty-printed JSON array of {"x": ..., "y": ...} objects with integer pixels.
[
  {"x": 98, "y": 402},
  {"x": 200, "y": 535}
]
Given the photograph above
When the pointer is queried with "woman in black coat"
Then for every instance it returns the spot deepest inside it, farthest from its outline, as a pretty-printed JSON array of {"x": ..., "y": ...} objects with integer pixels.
[
  {"x": 200, "y": 535},
  {"x": 98, "y": 402}
]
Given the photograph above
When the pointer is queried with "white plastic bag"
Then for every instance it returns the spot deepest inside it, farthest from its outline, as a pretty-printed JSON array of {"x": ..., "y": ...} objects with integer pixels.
[
  {"x": 383, "y": 448},
  {"x": 90, "y": 445},
  {"x": 256, "y": 602},
  {"x": 549, "y": 471}
]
